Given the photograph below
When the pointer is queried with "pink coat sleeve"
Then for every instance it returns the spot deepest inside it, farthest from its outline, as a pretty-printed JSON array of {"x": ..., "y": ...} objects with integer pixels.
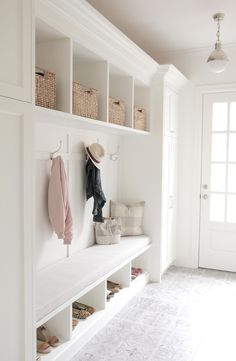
[{"x": 58, "y": 202}]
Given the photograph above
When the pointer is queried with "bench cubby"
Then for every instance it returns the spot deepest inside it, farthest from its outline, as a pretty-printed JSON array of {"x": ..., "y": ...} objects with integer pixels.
[{"x": 131, "y": 250}]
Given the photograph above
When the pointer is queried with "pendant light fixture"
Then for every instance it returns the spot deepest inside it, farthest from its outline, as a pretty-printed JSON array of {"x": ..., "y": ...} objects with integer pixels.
[{"x": 218, "y": 60}]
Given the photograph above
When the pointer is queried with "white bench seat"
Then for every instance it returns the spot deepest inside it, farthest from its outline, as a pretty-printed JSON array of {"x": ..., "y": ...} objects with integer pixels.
[{"x": 64, "y": 280}]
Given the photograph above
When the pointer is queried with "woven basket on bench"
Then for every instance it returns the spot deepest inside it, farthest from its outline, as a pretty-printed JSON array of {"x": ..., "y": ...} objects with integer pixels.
[
  {"x": 139, "y": 118},
  {"x": 116, "y": 111},
  {"x": 85, "y": 101},
  {"x": 45, "y": 88}
]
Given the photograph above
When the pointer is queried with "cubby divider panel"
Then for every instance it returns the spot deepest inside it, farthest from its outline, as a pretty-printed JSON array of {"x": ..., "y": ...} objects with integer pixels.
[
  {"x": 142, "y": 99},
  {"x": 121, "y": 87},
  {"x": 60, "y": 325},
  {"x": 122, "y": 276}
]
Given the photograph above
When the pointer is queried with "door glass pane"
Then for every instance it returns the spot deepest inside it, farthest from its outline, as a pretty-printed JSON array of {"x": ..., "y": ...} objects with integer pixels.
[
  {"x": 232, "y": 178},
  {"x": 218, "y": 177},
  {"x": 219, "y": 116},
  {"x": 218, "y": 149},
  {"x": 232, "y": 121},
  {"x": 231, "y": 208},
  {"x": 217, "y": 207},
  {"x": 232, "y": 147}
]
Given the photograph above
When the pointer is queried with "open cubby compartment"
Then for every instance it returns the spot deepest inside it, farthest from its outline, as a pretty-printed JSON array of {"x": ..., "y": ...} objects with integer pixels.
[
  {"x": 60, "y": 326},
  {"x": 122, "y": 276},
  {"x": 141, "y": 262},
  {"x": 92, "y": 71},
  {"x": 96, "y": 298},
  {"x": 142, "y": 99},
  {"x": 121, "y": 87},
  {"x": 53, "y": 52}
]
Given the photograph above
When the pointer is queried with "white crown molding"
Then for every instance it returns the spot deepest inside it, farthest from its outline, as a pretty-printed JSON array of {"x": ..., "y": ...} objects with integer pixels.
[
  {"x": 87, "y": 26},
  {"x": 172, "y": 76}
]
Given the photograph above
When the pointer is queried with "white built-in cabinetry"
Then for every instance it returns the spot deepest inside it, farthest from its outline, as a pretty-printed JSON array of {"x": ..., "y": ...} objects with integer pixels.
[
  {"x": 169, "y": 176},
  {"x": 71, "y": 61},
  {"x": 16, "y": 50},
  {"x": 78, "y": 44},
  {"x": 17, "y": 341},
  {"x": 16, "y": 256}
]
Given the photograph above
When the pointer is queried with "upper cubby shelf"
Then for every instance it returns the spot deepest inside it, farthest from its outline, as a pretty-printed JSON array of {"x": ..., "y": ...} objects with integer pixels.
[{"x": 84, "y": 77}]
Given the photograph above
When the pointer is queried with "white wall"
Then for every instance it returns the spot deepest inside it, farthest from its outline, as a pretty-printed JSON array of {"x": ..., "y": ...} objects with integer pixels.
[
  {"x": 49, "y": 249},
  {"x": 193, "y": 65}
]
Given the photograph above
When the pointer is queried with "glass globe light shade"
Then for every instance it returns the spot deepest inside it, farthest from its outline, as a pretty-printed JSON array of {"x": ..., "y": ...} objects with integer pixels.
[{"x": 217, "y": 60}]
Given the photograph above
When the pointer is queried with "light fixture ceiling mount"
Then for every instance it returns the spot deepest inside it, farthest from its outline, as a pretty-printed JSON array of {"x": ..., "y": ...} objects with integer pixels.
[{"x": 218, "y": 60}]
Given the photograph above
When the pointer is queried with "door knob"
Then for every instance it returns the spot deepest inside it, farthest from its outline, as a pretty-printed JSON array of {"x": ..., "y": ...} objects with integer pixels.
[{"x": 205, "y": 196}]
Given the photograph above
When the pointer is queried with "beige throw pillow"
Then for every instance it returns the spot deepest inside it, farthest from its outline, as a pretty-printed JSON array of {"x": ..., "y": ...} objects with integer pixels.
[{"x": 131, "y": 216}]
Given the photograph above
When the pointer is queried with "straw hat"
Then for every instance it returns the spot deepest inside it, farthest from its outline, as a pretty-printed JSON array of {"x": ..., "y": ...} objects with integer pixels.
[{"x": 96, "y": 153}]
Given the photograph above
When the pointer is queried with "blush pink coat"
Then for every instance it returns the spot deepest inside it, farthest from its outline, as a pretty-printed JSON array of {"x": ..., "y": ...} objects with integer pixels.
[{"x": 58, "y": 202}]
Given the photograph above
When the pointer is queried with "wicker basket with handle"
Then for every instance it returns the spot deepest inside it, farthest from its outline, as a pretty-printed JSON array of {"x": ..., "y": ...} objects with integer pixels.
[
  {"x": 45, "y": 88},
  {"x": 116, "y": 111},
  {"x": 85, "y": 101},
  {"x": 139, "y": 118}
]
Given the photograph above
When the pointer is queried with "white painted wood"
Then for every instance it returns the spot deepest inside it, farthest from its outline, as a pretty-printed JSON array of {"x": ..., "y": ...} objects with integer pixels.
[
  {"x": 86, "y": 330},
  {"x": 96, "y": 297},
  {"x": 141, "y": 261},
  {"x": 81, "y": 22},
  {"x": 16, "y": 265},
  {"x": 217, "y": 232},
  {"x": 93, "y": 72},
  {"x": 169, "y": 193},
  {"x": 122, "y": 276},
  {"x": 149, "y": 164},
  {"x": 56, "y": 56},
  {"x": 171, "y": 112},
  {"x": 61, "y": 325},
  {"x": 121, "y": 87},
  {"x": 86, "y": 289},
  {"x": 44, "y": 115},
  {"x": 16, "y": 48},
  {"x": 49, "y": 249},
  {"x": 142, "y": 99}
]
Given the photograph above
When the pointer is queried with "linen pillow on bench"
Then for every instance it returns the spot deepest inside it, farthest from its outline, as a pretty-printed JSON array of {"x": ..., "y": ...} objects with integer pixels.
[{"x": 131, "y": 216}]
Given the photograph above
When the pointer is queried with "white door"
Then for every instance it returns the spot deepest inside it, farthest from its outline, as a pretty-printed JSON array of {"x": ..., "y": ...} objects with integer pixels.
[{"x": 218, "y": 187}]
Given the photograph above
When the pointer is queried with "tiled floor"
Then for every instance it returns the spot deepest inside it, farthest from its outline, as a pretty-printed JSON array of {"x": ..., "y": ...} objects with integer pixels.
[{"x": 190, "y": 316}]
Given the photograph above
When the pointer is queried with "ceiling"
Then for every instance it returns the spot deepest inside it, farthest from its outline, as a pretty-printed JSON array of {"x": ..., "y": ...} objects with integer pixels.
[{"x": 170, "y": 25}]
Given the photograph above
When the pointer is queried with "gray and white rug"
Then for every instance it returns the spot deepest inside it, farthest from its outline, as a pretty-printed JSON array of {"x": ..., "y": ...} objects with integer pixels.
[{"x": 190, "y": 316}]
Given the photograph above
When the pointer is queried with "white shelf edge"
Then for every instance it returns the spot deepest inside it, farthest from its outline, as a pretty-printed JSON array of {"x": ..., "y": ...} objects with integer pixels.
[
  {"x": 51, "y": 116},
  {"x": 120, "y": 299},
  {"x": 56, "y": 352},
  {"x": 84, "y": 325}
]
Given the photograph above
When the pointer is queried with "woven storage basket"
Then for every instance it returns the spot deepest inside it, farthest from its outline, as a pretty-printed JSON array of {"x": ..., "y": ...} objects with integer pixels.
[
  {"x": 45, "y": 88},
  {"x": 139, "y": 118},
  {"x": 85, "y": 101},
  {"x": 116, "y": 111}
]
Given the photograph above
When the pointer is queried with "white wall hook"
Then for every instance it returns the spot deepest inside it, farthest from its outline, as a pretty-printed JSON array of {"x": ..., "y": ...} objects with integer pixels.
[
  {"x": 114, "y": 156},
  {"x": 57, "y": 150}
]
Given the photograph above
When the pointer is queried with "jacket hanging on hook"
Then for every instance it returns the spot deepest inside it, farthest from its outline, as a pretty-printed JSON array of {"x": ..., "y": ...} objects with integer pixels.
[
  {"x": 58, "y": 202},
  {"x": 94, "y": 189}
]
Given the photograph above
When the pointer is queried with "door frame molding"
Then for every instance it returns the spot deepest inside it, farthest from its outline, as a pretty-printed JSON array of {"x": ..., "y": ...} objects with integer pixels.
[{"x": 200, "y": 91}]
